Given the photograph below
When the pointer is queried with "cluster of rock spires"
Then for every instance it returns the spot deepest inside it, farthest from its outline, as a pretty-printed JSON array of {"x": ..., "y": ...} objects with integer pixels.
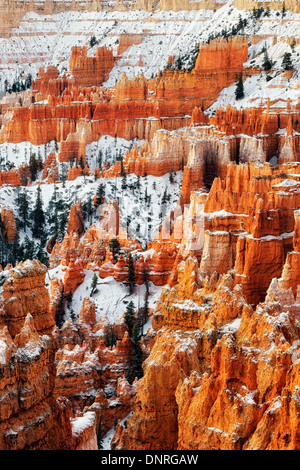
[{"x": 221, "y": 363}]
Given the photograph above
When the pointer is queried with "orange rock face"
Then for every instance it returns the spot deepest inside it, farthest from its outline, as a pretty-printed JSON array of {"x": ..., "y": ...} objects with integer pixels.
[
  {"x": 253, "y": 232},
  {"x": 30, "y": 417},
  {"x": 91, "y": 71},
  {"x": 74, "y": 276},
  {"x": 76, "y": 222},
  {"x": 134, "y": 109},
  {"x": 50, "y": 169},
  {"x": 8, "y": 224},
  {"x": 212, "y": 381},
  {"x": 25, "y": 292}
]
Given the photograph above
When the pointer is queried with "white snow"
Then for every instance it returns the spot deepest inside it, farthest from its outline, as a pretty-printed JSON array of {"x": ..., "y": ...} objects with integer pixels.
[
  {"x": 3, "y": 351},
  {"x": 81, "y": 423},
  {"x": 112, "y": 297},
  {"x": 231, "y": 327}
]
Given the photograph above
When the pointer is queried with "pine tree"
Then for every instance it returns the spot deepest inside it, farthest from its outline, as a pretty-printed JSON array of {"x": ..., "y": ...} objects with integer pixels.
[
  {"x": 286, "y": 63},
  {"x": 293, "y": 44},
  {"x": 87, "y": 210},
  {"x": 64, "y": 174},
  {"x": 267, "y": 12},
  {"x": 100, "y": 195},
  {"x": 52, "y": 214},
  {"x": 16, "y": 249},
  {"x": 136, "y": 369},
  {"x": 146, "y": 279},
  {"x": 239, "y": 91},
  {"x": 38, "y": 216},
  {"x": 33, "y": 166},
  {"x": 110, "y": 336},
  {"x": 93, "y": 41},
  {"x": 130, "y": 273},
  {"x": 165, "y": 197},
  {"x": 100, "y": 159},
  {"x": 178, "y": 63},
  {"x": 60, "y": 311},
  {"x": 23, "y": 209},
  {"x": 138, "y": 182},
  {"x": 63, "y": 219},
  {"x": 130, "y": 317},
  {"x": 114, "y": 246},
  {"x": 3, "y": 250},
  {"x": 123, "y": 175},
  {"x": 94, "y": 283},
  {"x": 28, "y": 248},
  {"x": 146, "y": 308},
  {"x": 81, "y": 163},
  {"x": 267, "y": 63}
]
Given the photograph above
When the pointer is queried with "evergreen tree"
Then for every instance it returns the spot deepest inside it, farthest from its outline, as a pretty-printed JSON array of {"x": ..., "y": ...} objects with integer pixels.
[
  {"x": 114, "y": 247},
  {"x": 145, "y": 312},
  {"x": 123, "y": 175},
  {"x": 293, "y": 44},
  {"x": 178, "y": 63},
  {"x": 60, "y": 311},
  {"x": 267, "y": 12},
  {"x": 100, "y": 159},
  {"x": 171, "y": 178},
  {"x": 41, "y": 255},
  {"x": 130, "y": 273},
  {"x": 124, "y": 182},
  {"x": 38, "y": 216},
  {"x": 33, "y": 166},
  {"x": 136, "y": 369},
  {"x": 130, "y": 317},
  {"x": 138, "y": 182},
  {"x": 93, "y": 41},
  {"x": 267, "y": 63},
  {"x": 87, "y": 210},
  {"x": 239, "y": 91},
  {"x": 23, "y": 209},
  {"x": 286, "y": 63},
  {"x": 146, "y": 279},
  {"x": 110, "y": 336},
  {"x": 81, "y": 163},
  {"x": 3, "y": 250},
  {"x": 94, "y": 283},
  {"x": 52, "y": 215},
  {"x": 28, "y": 248},
  {"x": 63, "y": 219},
  {"x": 64, "y": 173},
  {"x": 100, "y": 195},
  {"x": 16, "y": 251},
  {"x": 123, "y": 172},
  {"x": 165, "y": 197}
]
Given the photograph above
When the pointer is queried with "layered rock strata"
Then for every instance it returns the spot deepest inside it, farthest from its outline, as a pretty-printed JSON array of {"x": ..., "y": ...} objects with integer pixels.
[{"x": 227, "y": 388}]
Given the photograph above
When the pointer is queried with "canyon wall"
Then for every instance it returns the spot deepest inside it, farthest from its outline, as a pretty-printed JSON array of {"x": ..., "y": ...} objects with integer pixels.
[
  {"x": 225, "y": 388},
  {"x": 12, "y": 11},
  {"x": 30, "y": 416}
]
